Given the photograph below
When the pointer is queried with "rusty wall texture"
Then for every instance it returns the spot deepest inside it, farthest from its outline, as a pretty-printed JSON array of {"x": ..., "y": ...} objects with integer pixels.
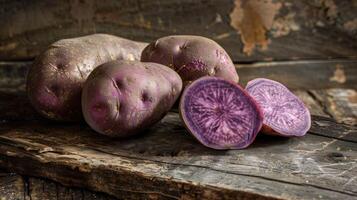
[{"x": 250, "y": 30}]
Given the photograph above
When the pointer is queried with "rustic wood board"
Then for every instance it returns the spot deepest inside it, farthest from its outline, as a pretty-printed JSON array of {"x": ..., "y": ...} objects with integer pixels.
[
  {"x": 340, "y": 104},
  {"x": 16, "y": 187},
  {"x": 11, "y": 186},
  {"x": 167, "y": 163},
  {"x": 308, "y": 74},
  {"x": 253, "y": 30},
  {"x": 313, "y": 74}
]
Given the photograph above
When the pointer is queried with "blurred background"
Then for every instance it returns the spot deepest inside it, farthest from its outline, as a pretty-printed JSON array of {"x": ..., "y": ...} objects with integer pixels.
[{"x": 309, "y": 45}]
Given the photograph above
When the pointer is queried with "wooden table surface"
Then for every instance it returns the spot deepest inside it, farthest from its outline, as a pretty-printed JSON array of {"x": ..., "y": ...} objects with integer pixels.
[{"x": 166, "y": 162}]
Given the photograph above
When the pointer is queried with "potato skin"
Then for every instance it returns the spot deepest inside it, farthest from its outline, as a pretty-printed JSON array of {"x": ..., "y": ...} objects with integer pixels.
[
  {"x": 55, "y": 80},
  {"x": 191, "y": 57},
  {"x": 120, "y": 98}
]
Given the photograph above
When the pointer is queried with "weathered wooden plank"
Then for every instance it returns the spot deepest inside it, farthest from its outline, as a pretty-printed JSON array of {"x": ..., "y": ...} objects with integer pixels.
[
  {"x": 300, "y": 75},
  {"x": 304, "y": 74},
  {"x": 341, "y": 104},
  {"x": 13, "y": 75},
  {"x": 16, "y": 187},
  {"x": 156, "y": 166},
  {"x": 249, "y": 30},
  {"x": 11, "y": 187},
  {"x": 323, "y": 126},
  {"x": 39, "y": 189}
]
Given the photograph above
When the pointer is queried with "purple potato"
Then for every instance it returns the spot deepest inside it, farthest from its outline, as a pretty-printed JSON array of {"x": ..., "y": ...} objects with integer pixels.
[
  {"x": 191, "y": 57},
  {"x": 220, "y": 114},
  {"x": 284, "y": 113},
  {"x": 54, "y": 82},
  {"x": 121, "y": 98}
]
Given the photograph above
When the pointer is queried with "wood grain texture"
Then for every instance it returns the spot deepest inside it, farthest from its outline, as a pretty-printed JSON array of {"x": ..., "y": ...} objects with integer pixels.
[
  {"x": 166, "y": 162},
  {"x": 298, "y": 75},
  {"x": 252, "y": 30},
  {"x": 11, "y": 186},
  {"x": 303, "y": 74},
  {"x": 16, "y": 187},
  {"x": 13, "y": 75},
  {"x": 338, "y": 103}
]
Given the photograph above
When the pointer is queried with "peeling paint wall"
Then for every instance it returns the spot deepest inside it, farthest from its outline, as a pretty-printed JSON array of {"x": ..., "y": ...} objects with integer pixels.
[
  {"x": 338, "y": 75},
  {"x": 252, "y": 19},
  {"x": 250, "y": 30},
  {"x": 258, "y": 22}
]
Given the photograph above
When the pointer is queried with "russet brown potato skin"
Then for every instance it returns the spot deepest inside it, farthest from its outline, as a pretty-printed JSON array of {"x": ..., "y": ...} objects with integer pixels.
[
  {"x": 121, "y": 98},
  {"x": 191, "y": 57},
  {"x": 54, "y": 81}
]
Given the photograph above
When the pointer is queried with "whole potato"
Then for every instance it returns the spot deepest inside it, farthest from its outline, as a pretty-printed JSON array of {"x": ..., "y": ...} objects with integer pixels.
[
  {"x": 120, "y": 98},
  {"x": 191, "y": 57},
  {"x": 54, "y": 81}
]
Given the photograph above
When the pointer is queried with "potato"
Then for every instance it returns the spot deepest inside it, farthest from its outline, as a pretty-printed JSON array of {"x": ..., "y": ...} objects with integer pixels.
[
  {"x": 54, "y": 82},
  {"x": 191, "y": 57},
  {"x": 284, "y": 113},
  {"x": 220, "y": 114},
  {"x": 121, "y": 98}
]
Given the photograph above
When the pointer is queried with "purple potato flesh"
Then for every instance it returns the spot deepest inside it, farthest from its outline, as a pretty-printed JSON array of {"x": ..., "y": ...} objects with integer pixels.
[
  {"x": 220, "y": 114},
  {"x": 284, "y": 113},
  {"x": 121, "y": 98},
  {"x": 191, "y": 57}
]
